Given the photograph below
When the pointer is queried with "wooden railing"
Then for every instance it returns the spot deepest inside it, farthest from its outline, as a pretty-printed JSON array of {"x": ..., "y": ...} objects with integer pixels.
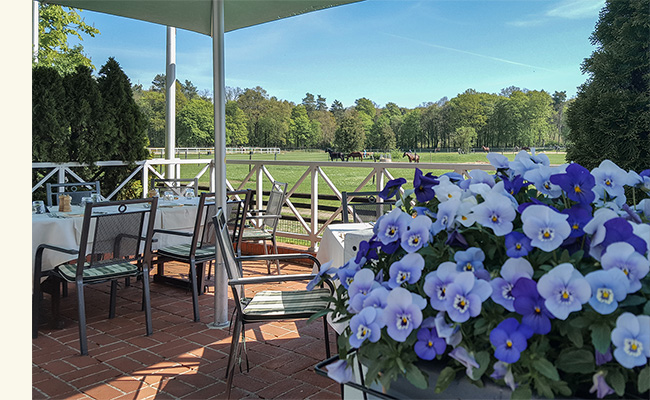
[{"x": 311, "y": 217}]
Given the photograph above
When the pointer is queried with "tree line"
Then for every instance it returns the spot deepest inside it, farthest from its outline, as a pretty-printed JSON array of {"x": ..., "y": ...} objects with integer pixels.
[{"x": 514, "y": 117}]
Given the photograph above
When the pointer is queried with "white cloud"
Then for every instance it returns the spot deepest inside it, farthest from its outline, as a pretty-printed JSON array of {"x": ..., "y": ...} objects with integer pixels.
[{"x": 576, "y": 9}]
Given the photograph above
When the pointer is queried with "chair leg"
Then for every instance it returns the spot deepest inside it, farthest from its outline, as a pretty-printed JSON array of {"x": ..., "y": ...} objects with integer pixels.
[
  {"x": 234, "y": 349},
  {"x": 64, "y": 288},
  {"x": 195, "y": 294},
  {"x": 36, "y": 305},
  {"x": 146, "y": 303},
  {"x": 111, "y": 308},
  {"x": 327, "y": 338},
  {"x": 275, "y": 249},
  {"x": 268, "y": 263},
  {"x": 83, "y": 341}
]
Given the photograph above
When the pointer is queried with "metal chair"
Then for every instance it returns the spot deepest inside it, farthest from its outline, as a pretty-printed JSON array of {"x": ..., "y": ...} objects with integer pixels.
[
  {"x": 196, "y": 253},
  {"x": 266, "y": 221},
  {"x": 112, "y": 246},
  {"x": 363, "y": 206},
  {"x": 76, "y": 190},
  {"x": 267, "y": 305},
  {"x": 177, "y": 186}
]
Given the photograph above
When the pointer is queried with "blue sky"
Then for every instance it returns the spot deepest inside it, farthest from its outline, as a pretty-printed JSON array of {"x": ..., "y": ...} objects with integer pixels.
[{"x": 407, "y": 52}]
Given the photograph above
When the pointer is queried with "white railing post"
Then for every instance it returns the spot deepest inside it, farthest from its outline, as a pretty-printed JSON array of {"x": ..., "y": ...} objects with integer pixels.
[
  {"x": 259, "y": 188},
  {"x": 145, "y": 180},
  {"x": 313, "y": 237}
]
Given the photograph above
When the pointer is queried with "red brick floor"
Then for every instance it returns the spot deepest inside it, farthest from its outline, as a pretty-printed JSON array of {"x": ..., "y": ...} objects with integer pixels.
[{"x": 182, "y": 359}]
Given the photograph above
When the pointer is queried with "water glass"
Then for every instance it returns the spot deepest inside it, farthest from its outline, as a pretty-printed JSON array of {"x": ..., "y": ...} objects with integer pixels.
[
  {"x": 38, "y": 207},
  {"x": 96, "y": 197},
  {"x": 169, "y": 195},
  {"x": 189, "y": 193}
]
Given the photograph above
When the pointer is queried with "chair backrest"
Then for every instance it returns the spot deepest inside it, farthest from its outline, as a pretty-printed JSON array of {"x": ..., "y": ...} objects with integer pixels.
[
  {"x": 363, "y": 206},
  {"x": 115, "y": 232},
  {"x": 230, "y": 262},
  {"x": 237, "y": 209},
  {"x": 76, "y": 190},
  {"x": 203, "y": 231},
  {"x": 274, "y": 205},
  {"x": 177, "y": 186}
]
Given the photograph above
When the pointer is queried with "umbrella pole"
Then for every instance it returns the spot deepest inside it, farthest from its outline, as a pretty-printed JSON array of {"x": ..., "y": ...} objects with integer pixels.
[
  {"x": 170, "y": 103},
  {"x": 219, "y": 82}
]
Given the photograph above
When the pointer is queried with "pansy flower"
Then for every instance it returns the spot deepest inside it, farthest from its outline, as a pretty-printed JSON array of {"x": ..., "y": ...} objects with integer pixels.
[
  {"x": 469, "y": 260},
  {"x": 436, "y": 282},
  {"x": 348, "y": 270},
  {"x": 340, "y": 371},
  {"x": 608, "y": 288},
  {"x": 509, "y": 340},
  {"x": 429, "y": 344},
  {"x": 564, "y": 290},
  {"x": 376, "y": 298},
  {"x": 498, "y": 161},
  {"x": 446, "y": 216},
  {"x": 416, "y": 234},
  {"x": 631, "y": 338},
  {"x": 362, "y": 284},
  {"x": 600, "y": 386},
  {"x": 389, "y": 226},
  {"x": 611, "y": 178},
  {"x": 545, "y": 227},
  {"x": 513, "y": 186},
  {"x": 621, "y": 255},
  {"x": 325, "y": 270},
  {"x": 496, "y": 213},
  {"x": 578, "y": 216},
  {"x": 511, "y": 271},
  {"x": 391, "y": 188},
  {"x": 447, "y": 191},
  {"x": 530, "y": 305},
  {"x": 467, "y": 360},
  {"x": 423, "y": 186},
  {"x": 541, "y": 178},
  {"x": 517, "y": 245},
  {"x": 408, "y": 269},
  {"x": 577, "y": 183},
  {"x": 465, "y": 295},
  {"x": 365, "y": 326},
  {"x": 401, "y": 314},
  {"x": 503, "y": 371},
  {"x": 448, "y": 331}
]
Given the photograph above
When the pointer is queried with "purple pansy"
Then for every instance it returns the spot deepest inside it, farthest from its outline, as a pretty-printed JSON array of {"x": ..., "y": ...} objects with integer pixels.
[
  {"x": 540, "y": 177},
  {"x": 446, "y": 191},
  {"x": 511, "y": 271},
  {"x": 631, "y": 338},
  {"x": 408, "y": 269},
  {"x": 446, "y": 216},
  {"x": 578, "y": 216},
  {"x": 498, "y": 161},
  {"x": 603, "y": 358},
  {"x": 436, "y": 283},
  {"x": 496, "y": 213},
  {"x": 429, "y": 344},
  {"x": 389, "y": 226},
  {"x": 564, "y": 290},
  {"x": 611, "y": 178},
  {"x": 530, "y": 305},
  {"x": 376, "y": 298},
  {"x": 608, "y": 288},
  {"x": 348, "y": 270},
  {"x": 401, "y": 315},
  {"x": 423, "y": 185},
  {"x": 503, "y": 371},
  {"x": 365, "y": 325},
  {"x": 340, "y": 371},
  {"x": 465, "y": 295},
  {"x": 362, "y": 284},
  {"x": 470, "y": 260},
  {"x": 622, "y": 256},
  {"x": 601, "y": 387},
  {"x": 416, "y": 234},
  {"x": 461, "y": 355},
  {"x": 517, "y": 244},
  {"x": 325, "y": 270},
  {"x": 450, "y": 332},
  {"x": 391, "y": 188},
  {"x": 577, "y": 182},
  {"x": 621, "y": 230},
  {"x": 368, "y": 249},
  {"x": 545, "y": 227},
  {"x": 513, "y": 186},
  {"x": 509, "y": 340}
]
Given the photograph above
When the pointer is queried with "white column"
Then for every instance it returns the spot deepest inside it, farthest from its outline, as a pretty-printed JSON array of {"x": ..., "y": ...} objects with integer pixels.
[
  {"x": 219, "y": 82},
  {"x": 35, "y": 18},
  {"x": 170, "y": 102}
]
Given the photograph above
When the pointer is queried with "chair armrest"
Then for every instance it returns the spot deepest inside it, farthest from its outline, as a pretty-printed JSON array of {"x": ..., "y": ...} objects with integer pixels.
[
  {"x": 44, "y": 246},
  {"x": 273, "y": 257},
  {"x": 270, "y": 278},
  {"x": 170, "y": 232},
  {"x": 265, "y": 216}
]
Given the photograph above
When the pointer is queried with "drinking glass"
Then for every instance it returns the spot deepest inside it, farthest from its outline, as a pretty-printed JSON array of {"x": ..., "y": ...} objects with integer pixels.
[
  {"x": 96, "y": 197},
  {"x": 189, "y": 193},
  {"x": 169, "y": 195},
  {"x": 38, "y": 207}
]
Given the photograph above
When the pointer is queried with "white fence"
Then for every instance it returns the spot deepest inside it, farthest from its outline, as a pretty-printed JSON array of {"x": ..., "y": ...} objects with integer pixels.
[
  {"x": 187, "y": 151},
  {"x": 259, "y": 172}
]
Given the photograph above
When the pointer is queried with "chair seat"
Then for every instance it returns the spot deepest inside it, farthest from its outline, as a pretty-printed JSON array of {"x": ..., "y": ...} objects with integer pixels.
[
  {"x": 69, "y": 271},
  {"x": 256, "y": 234},
  {"x": 182, "y": 252},
  {"x": 277, "y": 302}
]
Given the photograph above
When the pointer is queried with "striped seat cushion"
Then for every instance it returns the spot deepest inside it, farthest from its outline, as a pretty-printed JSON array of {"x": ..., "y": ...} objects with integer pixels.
[
  {"x": 276, "y": 302},
  {"x": 256, "y": 234},
  {"x": 69, "y": 271},
  {"x": 182, "y": 251}
]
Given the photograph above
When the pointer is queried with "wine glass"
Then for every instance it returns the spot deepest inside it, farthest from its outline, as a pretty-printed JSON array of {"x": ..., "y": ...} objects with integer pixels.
[
  {"x": 168, "y": 195},
  {"x": 189, "y": 193}
]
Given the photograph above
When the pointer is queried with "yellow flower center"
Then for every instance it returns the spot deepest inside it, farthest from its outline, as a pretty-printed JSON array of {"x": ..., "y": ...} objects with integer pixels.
[
  {"x": 577, "y": 189},
  {"x": 575, "y": 226},
  {"x": 518, "y": 246},
  {"x": 608, "y": 182},
  {"x": 449, "y": 195},
  {"x": 494, "y": 218},
  {"x": 430, "y": 344},
  {"x": 508, "y": 343}
]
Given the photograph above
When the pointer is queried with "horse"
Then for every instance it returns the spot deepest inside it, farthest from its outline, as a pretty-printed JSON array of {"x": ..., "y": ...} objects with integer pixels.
[
  {"x": 525, "y": 148},
  {"x": 335, "y": 155},
  {"x": 486, "y": 149},
  {"x": 412, "y": 157},
  {"x": 355, "y": 154}
]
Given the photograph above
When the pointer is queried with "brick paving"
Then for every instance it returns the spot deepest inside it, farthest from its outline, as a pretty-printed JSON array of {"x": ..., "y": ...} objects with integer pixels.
[{"x": 182, "y": 359}]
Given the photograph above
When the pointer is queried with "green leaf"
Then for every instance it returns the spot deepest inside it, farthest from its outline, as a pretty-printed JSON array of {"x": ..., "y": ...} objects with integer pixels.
[
  {"x": 546, "y": 368},
  {"x": 644, "y": 380},
  {"x": 542, "y": 387},
  {"x": 575, "y": 336},
  {"x": 483, "y": 360},
  {"x": 447, "y": 376},
  {"x": 632, "y": 301},
  {"x": 577, "y": 361},
  {"x": 617, "y": 381},
  {"x": 646, "y": 308},
  {"x": 523, "y": 392},
  {"x": 600, "y": 337},
  {"x": 416, "y": 377},
  {"x": 580, "y": 322}
]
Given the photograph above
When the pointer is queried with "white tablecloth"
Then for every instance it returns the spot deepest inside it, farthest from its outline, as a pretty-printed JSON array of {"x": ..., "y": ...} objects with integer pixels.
[{"x": 66, "y": 231}]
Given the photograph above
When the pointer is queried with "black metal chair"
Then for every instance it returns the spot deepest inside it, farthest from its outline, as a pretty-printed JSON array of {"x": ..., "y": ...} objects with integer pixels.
[
  {"x": 176, "y": 186},
  {"x": 266, "y": 221},
  {"x": 364, "y": 206},
  {"x": 115, "y": 243},
  {"x": 267, "y": 305},
  {"x": 196, "y": 253},
  {"x": 76, "y": 190}
]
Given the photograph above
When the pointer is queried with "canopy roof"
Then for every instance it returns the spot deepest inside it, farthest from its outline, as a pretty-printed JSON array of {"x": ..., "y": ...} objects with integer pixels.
[{"x": 195, "y": 15}]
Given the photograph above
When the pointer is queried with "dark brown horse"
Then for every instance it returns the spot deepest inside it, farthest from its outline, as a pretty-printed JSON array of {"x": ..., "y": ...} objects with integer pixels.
[
  {"x": 412, "y": 157},
  {"x": 486, "y": 149},
  {"x": 355, "y": 154},
  {"x": 335, "y": 155}
]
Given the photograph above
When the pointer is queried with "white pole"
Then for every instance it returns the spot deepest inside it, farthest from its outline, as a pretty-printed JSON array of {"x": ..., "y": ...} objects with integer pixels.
[
  {"x": 170, "y": 102},
  {"x": 35, "y": 18},
  {"x": 219, "y": 82}
]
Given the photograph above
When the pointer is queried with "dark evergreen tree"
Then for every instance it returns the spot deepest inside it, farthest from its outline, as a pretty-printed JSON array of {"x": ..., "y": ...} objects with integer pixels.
[
  {"x": 351, "y": 134},
  {"x": 50, "y": 128},
  {"x": 610, "y": 118}
]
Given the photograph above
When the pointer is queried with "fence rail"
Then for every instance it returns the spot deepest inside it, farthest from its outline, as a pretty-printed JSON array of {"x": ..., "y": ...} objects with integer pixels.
[
  {"x": 308, "y": 225},
  {"x": 186, "y": 151}
]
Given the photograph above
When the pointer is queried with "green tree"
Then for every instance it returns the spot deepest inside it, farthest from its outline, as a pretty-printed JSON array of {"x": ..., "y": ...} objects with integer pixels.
[
  {"x": 195, "y": 124},
  {"x": 55, "y": 25},
  {"x": 337, "y": 110},
  {"x": 610, "y": 118},
  {"x": 189, "y": 90},
  {"x": 559, "y": 116},
  {"x": 381, "y": 135},
  {"x": 328, "y": 126},
  {"x": 350, "y": 135},
  {"x": 301, "y": 131},
  {"x": 410, "y": 131},
  {"x": 321, "y": 103},
  {"x": 152, "y": 105},
  {"x": 236, "y": 130},
  {"x": 50, "y": 128},
  {"x": 309, "y": 102},
  {"x": 464, "y": 137},
  {"x": 367, "y": 107},
  {"x": 254, "y": 103}
]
